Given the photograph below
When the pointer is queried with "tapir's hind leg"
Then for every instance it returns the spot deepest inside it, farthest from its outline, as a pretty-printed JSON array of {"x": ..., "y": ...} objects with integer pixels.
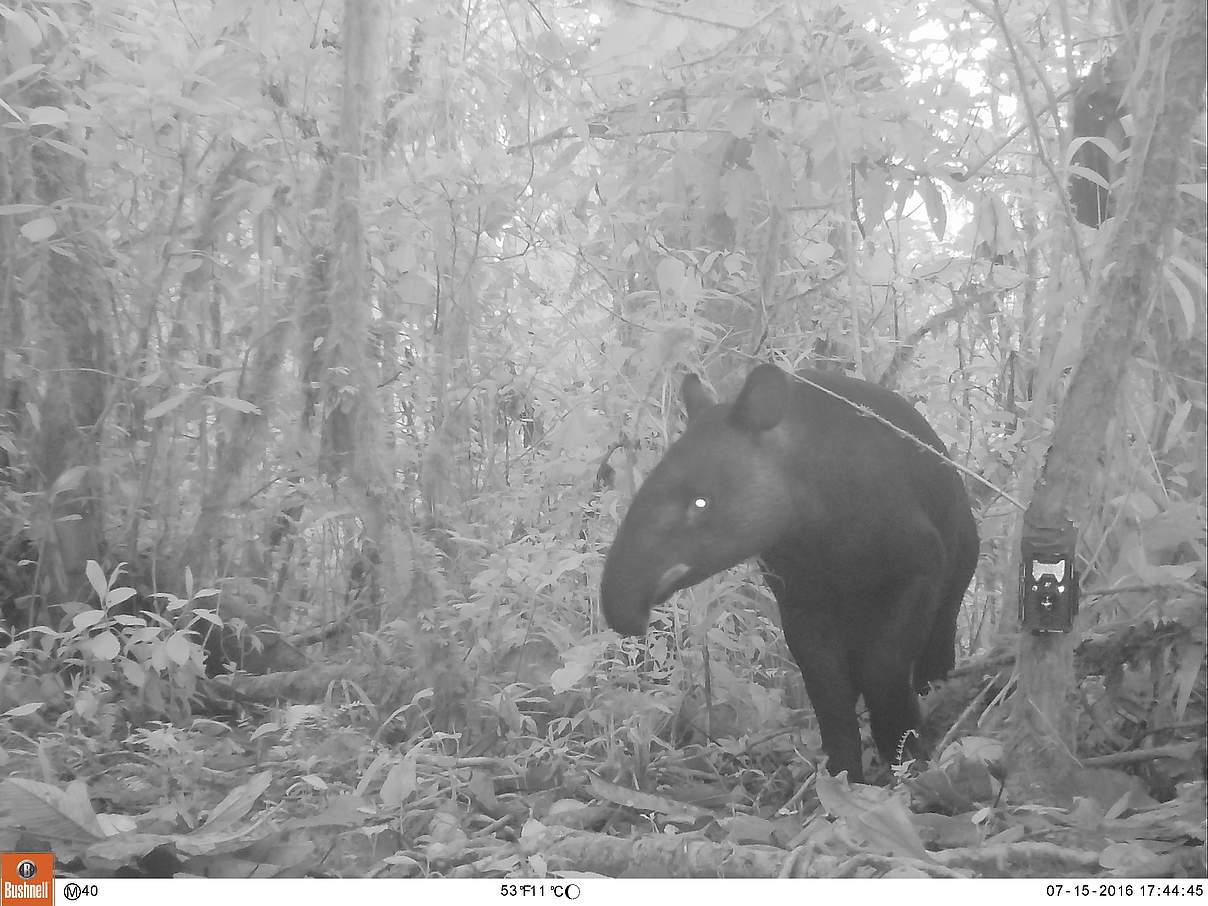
[
  {"x": 939, "y": 657},
  {"x": 939, "y": 653},
  {"x": 889, "y": 662},
  {"x": 893, "y": 706}
]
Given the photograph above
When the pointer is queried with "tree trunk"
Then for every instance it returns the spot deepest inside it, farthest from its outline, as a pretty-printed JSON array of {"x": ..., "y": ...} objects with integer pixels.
[
  {"x": 1167, "y": 102},
  {"x": 352, "y": 427},
  {"x": 68, "y": 345}
]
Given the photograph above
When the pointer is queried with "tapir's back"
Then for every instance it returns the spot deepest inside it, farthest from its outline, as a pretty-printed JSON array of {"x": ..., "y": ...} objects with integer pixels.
[{"x": 868, "y": 467}]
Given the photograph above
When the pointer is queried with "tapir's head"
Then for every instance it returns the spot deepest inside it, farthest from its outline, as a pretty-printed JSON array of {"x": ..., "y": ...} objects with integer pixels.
[{"x": 718, "y": 497}]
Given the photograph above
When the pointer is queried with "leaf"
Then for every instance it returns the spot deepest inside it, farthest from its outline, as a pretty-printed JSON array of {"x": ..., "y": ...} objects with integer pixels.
[
  {"x": 748, "y": 829},
  {"x": 579, "y": 661},
  {"x": 134, "y": 673},
  {"x": 947, "y": 831},
  {"x": 1191, "y": 659},
  {"x": 817, "y": 252},
  {"x": 47, "y": 116},
  {"x": 1190, "y": 271},
  {"x": 86, "y": 619},
  {"x": 888, "y": 828},
  {"x": 774, "y": 171},
  {"x": 122, "y": 849},
  {"x": 236, "y": 404},
  {"x": 937, "y": 212},
  {"x": 237, "y": 803},
  {"x": 23, "y": 710},
  {"x": 1107, "y": 146},
  {"x": 39, "y": 229},
  {"x": 647, "y": 802},
  {"x": 372, "y": 772},
  {"x": 533, "y": 834},
  {"x": 1006, "y": 238},
  {"x": 401, "y": 781},
  {"x": 344, "y": 810},
  {"x": 982, "y": 748},
  {"x": 208, "y": 615},
  {"x": 118, "y": 596},
  {"x": 482, "y": 787},
  {"x": 1166, "y": 573},
  {"x": 19, "y": 74},
  {"x": 96, "y": 578},
  {"x": 167, "y": 405},
  {"x": 875, "y": 195},
  {"x": 1197, "y": 190},
  {"x": 579, "y": 125},
  {"x": 208, "y": 55},
  {"x": 1139, "y": 505},
  {"x": 297, "y": 715},
  {"x": 51, "y": 813},
  {"x": 564, "y": 678},
  {"x": 105, "y": 646},
  {"x": 1175, "y": 428},
  {"x": 1090, "y": 176},
  {"x": 65, "y": 148},
  {"x": 179, "y": 647},
  {"x": 566, "y": 158},
  {"x": 841, "y": 799},
  {"x": 1135, "y": 860},
  {"x": 670, "y": 276},
  {"x": 740, "y": 118},
  {"x": 1186, "y": 302},
  {"x": 445, "y": 826},
  {"x": 27, "y": 25},
  {"x": 874, "y": 813}
]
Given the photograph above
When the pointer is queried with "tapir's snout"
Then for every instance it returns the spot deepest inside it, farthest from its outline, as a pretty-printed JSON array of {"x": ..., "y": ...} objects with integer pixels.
[{"x": 627, "y": 598}]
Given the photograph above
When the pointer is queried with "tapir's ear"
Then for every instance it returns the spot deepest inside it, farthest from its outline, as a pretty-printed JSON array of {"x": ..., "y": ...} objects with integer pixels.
[
  {"x": 696, "y": 398},
  {"x": 760, "y": 406}
]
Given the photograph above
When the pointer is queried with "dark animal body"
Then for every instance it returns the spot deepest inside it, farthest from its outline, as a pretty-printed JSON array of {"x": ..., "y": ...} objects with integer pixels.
[{"x": 865, "y": 536}]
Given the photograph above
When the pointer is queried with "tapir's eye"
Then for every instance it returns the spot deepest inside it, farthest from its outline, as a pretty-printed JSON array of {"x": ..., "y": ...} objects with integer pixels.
[{"x": 698, "y": 508}]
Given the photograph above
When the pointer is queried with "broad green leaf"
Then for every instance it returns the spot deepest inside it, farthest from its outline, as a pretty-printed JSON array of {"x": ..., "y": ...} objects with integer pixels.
[
  {"x": 179, "y": 648},
  {"x": 22, "y": 72},
  {"x": 24, "y": 710},
  {"x": 118, "y": 596},
  {"x": 40, "y": 229},
  {"x": 96, "y": 578},
  {"x": 87, "y": 619},
  {"x": 237, "y": 404},
  {"x": 937, "y": 213},
  {"x": 27, "y": 25},
  {"x": 167, "y": 405},
  {"x": 740, "y": 118},
  {"x": 62, "y": 815},
  {"x": 400, "y": 781},
  {"x": 104, "y": 647},
  {"x": 237, "y": 803},
  {"x": 47, "y": 116}
]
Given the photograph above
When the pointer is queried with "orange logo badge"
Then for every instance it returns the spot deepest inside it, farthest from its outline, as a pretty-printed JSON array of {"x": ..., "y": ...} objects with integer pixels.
[{"x": 27, "y": 879}]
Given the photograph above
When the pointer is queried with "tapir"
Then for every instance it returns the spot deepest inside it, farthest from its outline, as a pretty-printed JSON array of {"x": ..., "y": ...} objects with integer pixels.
[{"x": 864, "y": 532}]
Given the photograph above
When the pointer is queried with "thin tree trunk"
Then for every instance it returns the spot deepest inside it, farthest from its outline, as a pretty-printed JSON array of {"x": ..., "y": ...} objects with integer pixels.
[{"x": 353, "y": 429}]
